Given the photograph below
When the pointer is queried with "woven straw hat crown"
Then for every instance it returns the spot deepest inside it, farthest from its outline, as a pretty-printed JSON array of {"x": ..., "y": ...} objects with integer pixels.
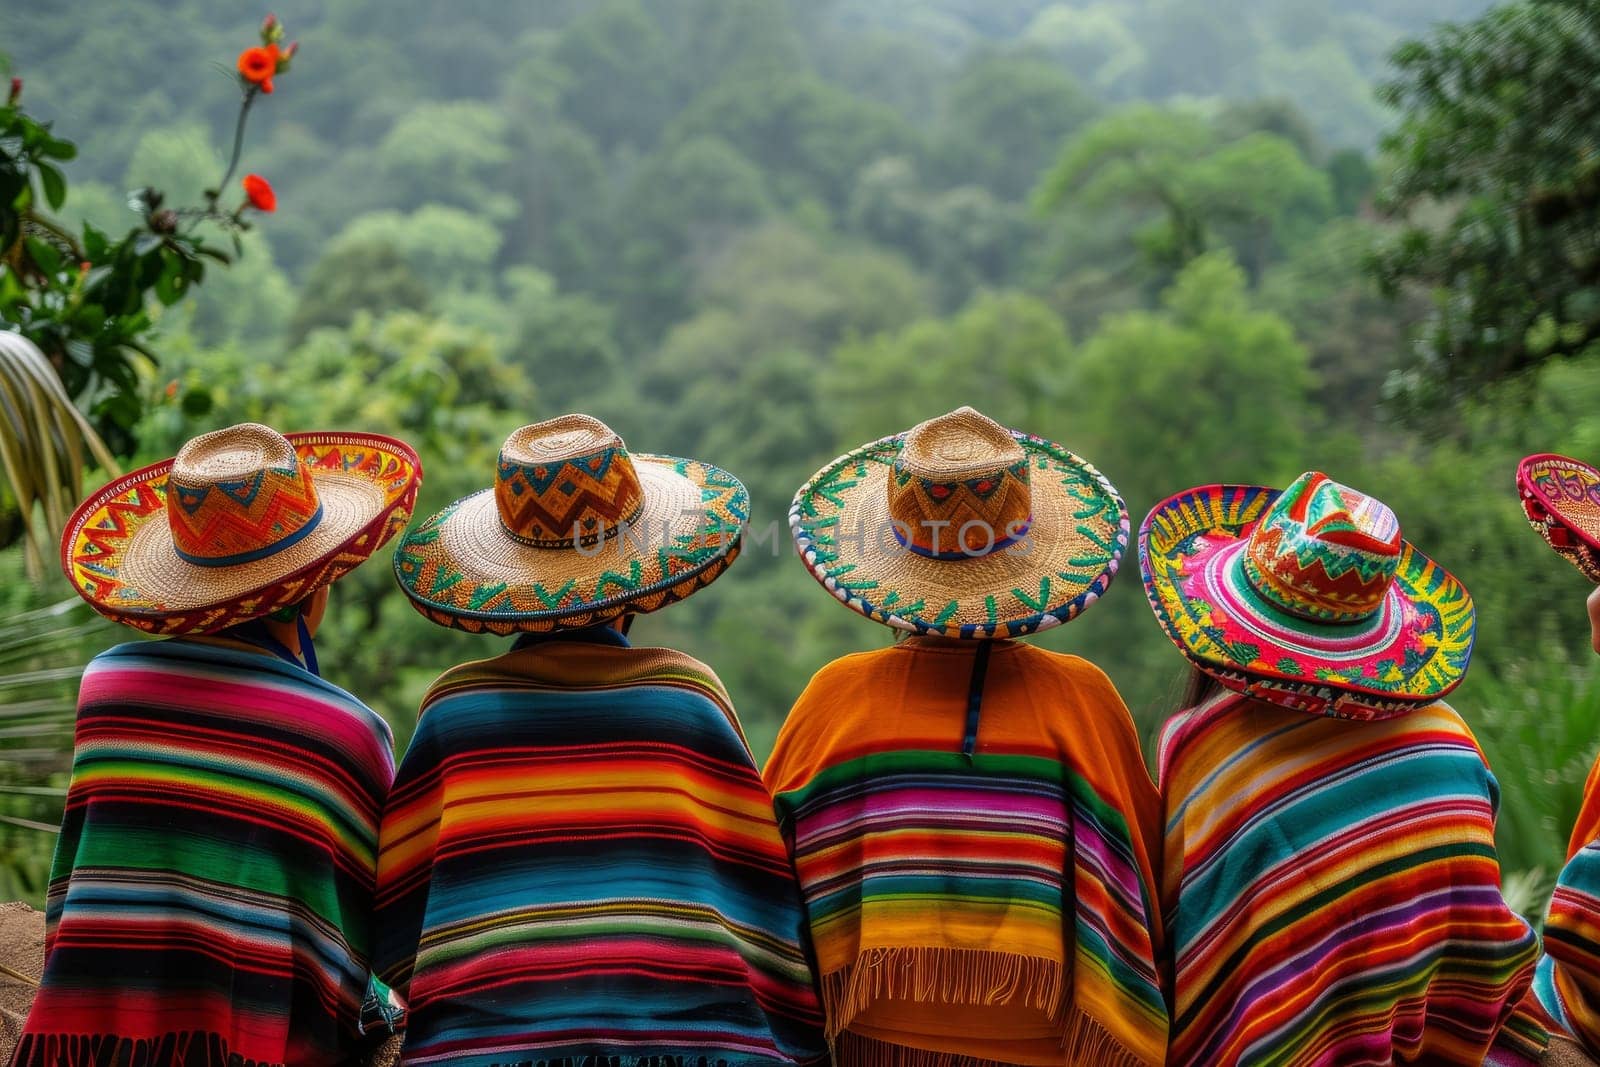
[
  {"x": 959, "y": 487},
  {"x": 1324, "y": 551},
  {"x": 564, "y": 482},
  {"x": 239, "y": 495}
]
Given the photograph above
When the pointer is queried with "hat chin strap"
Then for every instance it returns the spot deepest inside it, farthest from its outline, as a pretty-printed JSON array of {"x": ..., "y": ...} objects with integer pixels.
[
  {"x": 255, "y": 632},
  {"x": 980, "y": 670}
]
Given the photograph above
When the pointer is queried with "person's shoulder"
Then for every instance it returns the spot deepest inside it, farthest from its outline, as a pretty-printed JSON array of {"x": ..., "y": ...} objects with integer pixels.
[
  {"x": 1071, "y": 670},
  {"x": 853, "y": 664},
  {"x": 1206, "y": 733},
  {"x": 839, "y": 685},
  {"x": 1439, "y": 714},
  {"x": 1440, "y": 721}
]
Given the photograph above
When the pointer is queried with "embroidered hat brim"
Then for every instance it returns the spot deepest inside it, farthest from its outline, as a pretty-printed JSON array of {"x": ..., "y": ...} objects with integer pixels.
[
  {"x": 1561, "y": 498},
  {"x": 1074, "y": 542},
  {"x": 118, "y": 551},
  {"x": 1413, "y": 650},
  {"x": 461, "y": 569}
]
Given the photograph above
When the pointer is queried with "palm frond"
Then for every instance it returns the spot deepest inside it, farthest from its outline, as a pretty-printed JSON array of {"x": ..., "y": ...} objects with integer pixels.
[{"x": 44, "y": 441}]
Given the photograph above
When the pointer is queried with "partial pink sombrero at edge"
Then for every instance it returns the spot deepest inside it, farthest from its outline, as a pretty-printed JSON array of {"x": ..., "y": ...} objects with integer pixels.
[{"x": 1561, "y": 497}]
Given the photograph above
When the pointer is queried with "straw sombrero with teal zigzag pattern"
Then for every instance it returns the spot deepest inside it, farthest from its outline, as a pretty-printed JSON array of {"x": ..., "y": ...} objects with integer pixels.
[
  {"x": 963, "y": 528},
  {"x": 576, "y": 530}
]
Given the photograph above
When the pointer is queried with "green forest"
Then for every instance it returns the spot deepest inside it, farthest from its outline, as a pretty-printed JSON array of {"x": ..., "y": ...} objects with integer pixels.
[{"x": 1192, "y": 242}]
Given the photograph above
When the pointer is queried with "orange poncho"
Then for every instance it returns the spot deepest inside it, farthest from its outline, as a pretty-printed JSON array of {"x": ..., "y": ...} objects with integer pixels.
[{"x": 995, "y": 903}]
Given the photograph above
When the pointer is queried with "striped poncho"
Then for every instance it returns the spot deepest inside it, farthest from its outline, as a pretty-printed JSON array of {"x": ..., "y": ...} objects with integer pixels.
[
  {"x": 1568, "y": 981},
  {"x": 211, "y": 898},
  {"x": 998, "y": 906},
  {"x": 579, "y": 859},
  {"x": 1332, "y": 894}
]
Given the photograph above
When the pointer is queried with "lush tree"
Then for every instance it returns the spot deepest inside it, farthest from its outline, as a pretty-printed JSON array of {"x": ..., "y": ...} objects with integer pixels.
[
  {"x": 357, "y": 275},
  {"x": 447, "y": 247},
  {"x": 1006, "y": 117},
  {"x": 1139, "y": 156},
  {"x": 1354, "y": 335},
  {"x": 899, "y": 72},
  {"x": 1194, "y": 48},
  {"x": 1324, "y": 81},
  {"x": 252, "y": 302},
  {"x": 622, "y": 86},
  {"x": 564, "y": 201},
  {"x": 1352, "y": 180},
  {"x": 1094, "y": 42},
  {"x": 566, "y": 343},
  {"x": 715, "y": 41},
  {"x": 1495, "y": 131},
  {"x": 1006, "y": 354},
  {"x": 1274, "y": 115},
  {"x": 810, "y": 138},
  {"x": 1221, "y": 389},
  {"x": 449, "y": 153},
  {"x": 682, "y": 207},
  {"x": 963, "y": 237},
  {"x": 1254, "y": 192},
  {"x": 1259, "y": 195}
]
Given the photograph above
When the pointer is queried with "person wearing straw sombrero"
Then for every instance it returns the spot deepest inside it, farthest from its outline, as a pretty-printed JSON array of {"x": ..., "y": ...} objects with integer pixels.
[
  {"x": 578, "y": 858},
  {"x": 1561, "y": 498},
  {"x": 971, "y": 819},
  {"x": 1329, "y": 869},
  {"x": 212, "y": 891}
]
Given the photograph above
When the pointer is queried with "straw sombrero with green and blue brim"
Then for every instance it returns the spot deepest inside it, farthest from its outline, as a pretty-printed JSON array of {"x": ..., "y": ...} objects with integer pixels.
[
  {"x": 575, "y": 531},
  {"x": 1308, "y": 598},
  {"x": 962, "y": 528}
]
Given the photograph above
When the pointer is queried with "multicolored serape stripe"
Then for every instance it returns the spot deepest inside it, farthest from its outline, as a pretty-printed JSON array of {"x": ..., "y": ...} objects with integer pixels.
[
  {"x": 211, "y": 899},
  {"x": 997, "y": 906},
  {"x": 579, "y": 860},
  {"x": 1568, "y": 982},
  {"x": 1332, "y": 893}
]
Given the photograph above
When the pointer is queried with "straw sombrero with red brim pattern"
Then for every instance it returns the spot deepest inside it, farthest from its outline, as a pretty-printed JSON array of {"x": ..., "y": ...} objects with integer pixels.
[
  {"x": 1561, "y": 497},
  {"x": 242, "y": 523},
  {"x": 1307, "y": 598}
]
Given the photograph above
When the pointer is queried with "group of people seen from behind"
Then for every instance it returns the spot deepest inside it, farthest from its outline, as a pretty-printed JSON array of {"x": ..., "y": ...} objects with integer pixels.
[{"x": 954, "y": 857}]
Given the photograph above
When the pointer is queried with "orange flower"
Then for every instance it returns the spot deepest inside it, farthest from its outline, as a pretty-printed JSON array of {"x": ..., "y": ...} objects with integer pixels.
[
  {"x": 258, "y": 65},
  {"x": 259, "y": 190}
]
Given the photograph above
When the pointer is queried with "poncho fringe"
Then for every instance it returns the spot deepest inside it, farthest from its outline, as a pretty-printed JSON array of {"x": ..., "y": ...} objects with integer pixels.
[
  {"x": 943, "y": 976},
  {"x": 1088, "y": 1043},
  {"x": 689, "y": 1059},
  {"x": 193, "y": 1048}
]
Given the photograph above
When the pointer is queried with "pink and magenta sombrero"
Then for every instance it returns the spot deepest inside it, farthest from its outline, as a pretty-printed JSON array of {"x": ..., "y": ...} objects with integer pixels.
[
  {"x": 1561, "y": 497},
  {"x": 242, "y": 523},
  {"x": 1307, "y": 598}
]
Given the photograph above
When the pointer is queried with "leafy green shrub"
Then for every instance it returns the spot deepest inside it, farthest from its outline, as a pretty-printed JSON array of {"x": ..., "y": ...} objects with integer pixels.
[{"x": 1539, "y": 726}]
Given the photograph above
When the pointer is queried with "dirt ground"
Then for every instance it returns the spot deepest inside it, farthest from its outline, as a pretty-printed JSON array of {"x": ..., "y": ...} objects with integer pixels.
[{"x": 21, "y": 950}]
